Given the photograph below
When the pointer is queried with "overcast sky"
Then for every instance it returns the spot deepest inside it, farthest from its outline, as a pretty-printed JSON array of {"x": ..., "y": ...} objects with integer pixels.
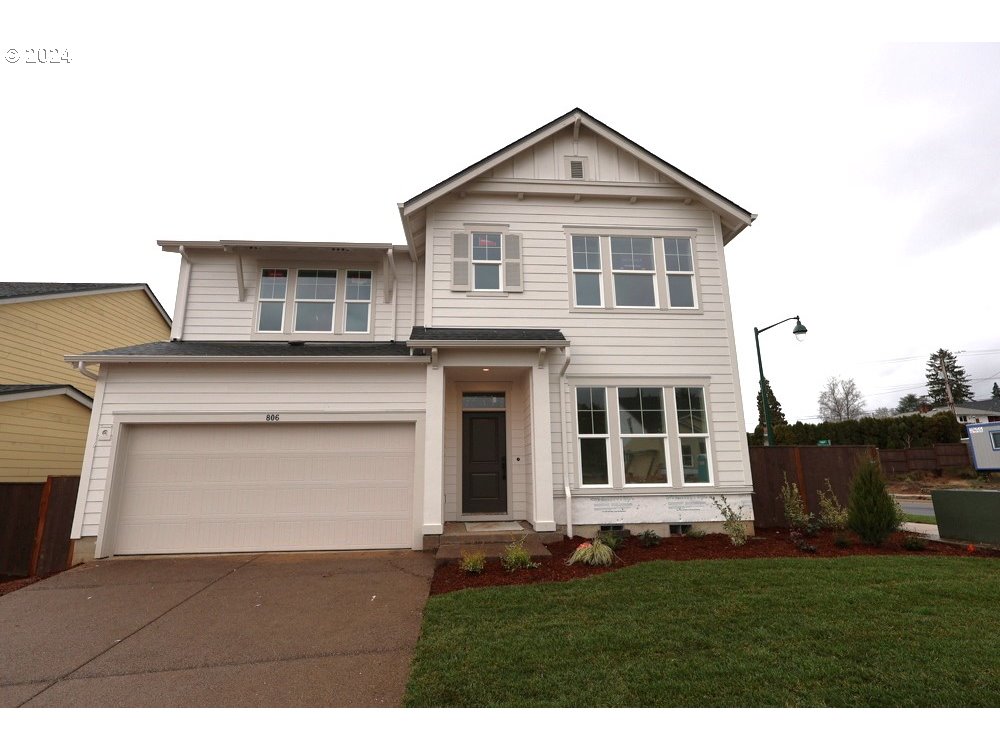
[{"x": 874, "y": 167}]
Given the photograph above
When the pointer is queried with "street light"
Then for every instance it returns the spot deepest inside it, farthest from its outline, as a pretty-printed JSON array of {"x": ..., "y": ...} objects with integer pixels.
[{"x": 800, "y": 332}]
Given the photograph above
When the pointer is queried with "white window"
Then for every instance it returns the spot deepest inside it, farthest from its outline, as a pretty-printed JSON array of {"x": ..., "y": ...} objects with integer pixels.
[
  {"x": 487, "y": 261},
  {"x": 680, "y": 271},
  {"x": 587, "y": 281},
  {"x": 592, "y": 428},
  {"x": 995, "y": 438},
  {"x": 315, "y": 299},
  {"x": 271, "y": 300},
  {"x": 633, "y": 271},
  {"x": 358, "y": 300},
  {"x": 643, "y": 435},
  {"x": 692, "y": 435}
]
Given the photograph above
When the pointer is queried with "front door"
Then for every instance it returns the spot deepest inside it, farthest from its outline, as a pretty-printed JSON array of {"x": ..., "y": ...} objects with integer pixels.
[{"x": 484, "y": 462}]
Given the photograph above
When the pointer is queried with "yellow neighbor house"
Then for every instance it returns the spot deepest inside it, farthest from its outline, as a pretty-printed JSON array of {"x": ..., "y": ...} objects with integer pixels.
[{"x": 45, "y": 404}]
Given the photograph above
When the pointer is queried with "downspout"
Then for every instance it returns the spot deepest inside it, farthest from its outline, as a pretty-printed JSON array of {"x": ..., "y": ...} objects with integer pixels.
[
  {"x": 565, "y": 444},
  {"x": 395, "y": 292},
  {"x": 82, "y": 367},
  {"x": 413, "y": 302}
]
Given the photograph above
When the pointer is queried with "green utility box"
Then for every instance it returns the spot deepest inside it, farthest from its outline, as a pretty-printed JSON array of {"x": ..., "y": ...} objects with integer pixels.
[{"x": 968, "y": 515}]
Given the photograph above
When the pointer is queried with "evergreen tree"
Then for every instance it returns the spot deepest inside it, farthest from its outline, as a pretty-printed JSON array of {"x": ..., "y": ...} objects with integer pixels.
[
  {"x": 910, "y": 402},
  {"x": 961, "y": 390},
  {"x": 773, "y": 406},
  {"x": 872, "y": 513},
  {"x": 996, "y": 391}
]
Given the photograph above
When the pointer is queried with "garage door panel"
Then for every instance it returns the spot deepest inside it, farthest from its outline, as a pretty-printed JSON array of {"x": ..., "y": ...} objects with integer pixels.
[{"x": 250, "y": 487}]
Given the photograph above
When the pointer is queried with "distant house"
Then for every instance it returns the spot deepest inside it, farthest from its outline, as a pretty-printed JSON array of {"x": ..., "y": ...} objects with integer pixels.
[
  {"x": 970, "y": 412},
  {"x": 44, "y": 404}
]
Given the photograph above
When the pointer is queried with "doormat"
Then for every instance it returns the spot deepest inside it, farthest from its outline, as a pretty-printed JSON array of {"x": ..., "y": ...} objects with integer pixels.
[{"x": 487, "y": 526}]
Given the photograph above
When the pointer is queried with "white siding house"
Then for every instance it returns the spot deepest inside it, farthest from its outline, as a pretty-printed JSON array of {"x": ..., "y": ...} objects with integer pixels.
[{"x": 553, "y": 344}]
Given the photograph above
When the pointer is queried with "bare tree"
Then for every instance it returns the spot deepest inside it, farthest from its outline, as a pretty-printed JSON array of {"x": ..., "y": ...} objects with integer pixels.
[
  {"x": 840, "y": 400},
  {"x": 882, "y": 412}
]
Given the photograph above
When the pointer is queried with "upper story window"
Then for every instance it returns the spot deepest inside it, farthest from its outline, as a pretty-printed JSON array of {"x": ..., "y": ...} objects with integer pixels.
[
  {"x": 680, "y": 271},
  {"x": 358, "y": 301},
  {"x": 587, "y": 280},
  {"x": 634, "y": 271},
  {"x": 487, "y": 259},
  {"x": 271, "y": 307},
  {"x": 315, "y": 298}
]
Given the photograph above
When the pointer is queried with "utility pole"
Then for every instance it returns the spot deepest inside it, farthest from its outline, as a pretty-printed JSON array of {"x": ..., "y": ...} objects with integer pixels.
[{"x": 947, "y": 386}]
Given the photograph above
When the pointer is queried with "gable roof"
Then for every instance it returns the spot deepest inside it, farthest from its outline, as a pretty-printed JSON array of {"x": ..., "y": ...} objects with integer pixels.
[
  {"x": 26, "y": 291},
  {"x": 18, "y": 391},
  {"x": 256, "y": 351},
  {"x": 737, "y": 215}
]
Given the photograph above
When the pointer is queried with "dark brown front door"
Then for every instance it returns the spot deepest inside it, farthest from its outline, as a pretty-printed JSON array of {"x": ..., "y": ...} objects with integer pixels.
[{"x": 484, "y": 462}]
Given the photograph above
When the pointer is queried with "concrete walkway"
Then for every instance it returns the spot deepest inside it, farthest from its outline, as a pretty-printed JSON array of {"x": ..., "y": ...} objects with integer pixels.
[
  {"x": 928, "y": 530},
  {"x": 318, "y": 629}
]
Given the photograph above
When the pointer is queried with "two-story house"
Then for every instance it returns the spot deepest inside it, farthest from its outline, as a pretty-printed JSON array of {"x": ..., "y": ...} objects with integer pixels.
[{"x": 553, "y": 344}]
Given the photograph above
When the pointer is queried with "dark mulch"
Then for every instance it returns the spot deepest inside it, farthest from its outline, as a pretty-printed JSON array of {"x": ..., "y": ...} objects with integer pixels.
[
  {"x": 767, "y": 543},
  {"x": 8, "y": 585}
]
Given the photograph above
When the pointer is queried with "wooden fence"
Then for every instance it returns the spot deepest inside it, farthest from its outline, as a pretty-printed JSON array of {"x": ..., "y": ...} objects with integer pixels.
[
  {"x": 35, "y": 524},
  {"x": 809, "y": 467},
  {"x": 936, "y": 458}
]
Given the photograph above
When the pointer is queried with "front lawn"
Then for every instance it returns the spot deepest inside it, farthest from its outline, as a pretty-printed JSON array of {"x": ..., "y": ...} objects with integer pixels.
[
  {"x": 914, "y": 518},
  {"x": 858, "y": 631}
]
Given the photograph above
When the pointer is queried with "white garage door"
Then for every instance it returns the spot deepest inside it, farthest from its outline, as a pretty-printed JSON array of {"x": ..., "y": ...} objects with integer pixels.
[{"x": 261, "y": 487}]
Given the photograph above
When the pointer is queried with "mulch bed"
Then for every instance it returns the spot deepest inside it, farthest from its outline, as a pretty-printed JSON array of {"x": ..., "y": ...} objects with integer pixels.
[
  {"x": 7, "y": 585},
  {"x": 767, "y": 543}
]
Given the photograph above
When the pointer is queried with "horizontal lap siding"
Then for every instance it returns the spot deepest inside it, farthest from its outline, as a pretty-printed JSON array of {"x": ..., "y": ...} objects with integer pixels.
[
  {"x": 36, "y": 335},
  {"x": 612, "y": 344},
  {"x": 41, "y": 437},
  {"x": 251, "y": 389}
]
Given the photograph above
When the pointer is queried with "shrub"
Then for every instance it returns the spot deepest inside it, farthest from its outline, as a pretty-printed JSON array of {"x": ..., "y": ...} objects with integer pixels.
[
  {"x": 649, "y": 538},
  {"x": 914, "y": 543},
  {"x": 872, "y": 513},
  {"x": 843, "y": 541},
  {"x": 613, "y": 539},
  {"x": 516, "y": 557},
  {"x": 831, "y": 514},
  {"x": 732, "y": 523},
  {"x": 795, "y": 512},
  {"x": 593, "y": 553},
  {"x": 695, "y": 533},
  {"x": 472, "y": 563},
  {"x": 799, "y": 540}
]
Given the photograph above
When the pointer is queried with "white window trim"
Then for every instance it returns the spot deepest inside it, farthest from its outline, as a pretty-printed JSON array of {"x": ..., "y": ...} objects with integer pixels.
[
  {"x": 706, "y": 435},
  {"x": 499, "y": 263},
  {"x": 282, "y": 300},
  {"x": 652, "y": 273},
  {"x": 663, "y": 438},
  {"x": 296, "y": 301},
  {"x": 370, "y": 301},
  {"x": 598, "y": 272},
  {"x": 582, "y": 436},
  {"x": 667, "y": 273}
]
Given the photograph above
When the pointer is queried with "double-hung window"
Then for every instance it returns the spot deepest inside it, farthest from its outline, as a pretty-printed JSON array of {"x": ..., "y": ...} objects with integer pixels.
[
  {"x": 315, "y": 299},
  {"x": 634, "y": 271},
  {"x": 487, "y": 261},
  {"x": 358, "y": 301},
  {"x": 271, "y": 300},
  {"x": 643, "y": 435},
  {"x": 692, "y": 430},
  {"x": 587, "y": 281},
  {"x": 592, "y": 428},
  {"x": 680, "y": 271}
]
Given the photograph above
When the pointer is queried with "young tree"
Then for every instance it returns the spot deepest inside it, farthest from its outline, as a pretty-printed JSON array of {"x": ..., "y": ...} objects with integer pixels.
[
  {"x": 773, "y": 406},
  {"x": 840, "y": 400},
  {"x": 910, "y": 402},
  {"x": 996, "y": 391},
  {"x": 872, "y": 512},
  {"x": 952, "y": 377}
]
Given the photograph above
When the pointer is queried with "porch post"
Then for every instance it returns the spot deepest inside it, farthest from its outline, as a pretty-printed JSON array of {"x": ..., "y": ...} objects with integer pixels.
[
  {"x": 541, "y": 446},
  {"x": 434, "y": 452}
]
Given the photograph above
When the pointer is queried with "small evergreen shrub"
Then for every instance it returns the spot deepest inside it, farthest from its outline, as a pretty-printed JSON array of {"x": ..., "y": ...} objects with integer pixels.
[
  {"x": 831, "y": 514},
  {"x": 872, "y": 513},
  {"x": 472, "y": 563},
  {"x": 914, "y": 543},
  {"x": 593, "y": 553},
  {"x": 649, "y": 538},
  {"x": 732, "y": 524},
  {"x": 613, "y": 539},
  {"x": 516, "y": 557},
  {"x": 695, "y": 533},
  {"x": 843, "y": 542},
  {"x": 795, "y": 511},
  {"x": 799, "y": 540}
]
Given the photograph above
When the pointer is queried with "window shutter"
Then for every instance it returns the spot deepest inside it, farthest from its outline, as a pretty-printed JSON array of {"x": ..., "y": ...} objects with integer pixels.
[
  {"x": 513, "y": 277},
  {"x": 460, "y": 262}
]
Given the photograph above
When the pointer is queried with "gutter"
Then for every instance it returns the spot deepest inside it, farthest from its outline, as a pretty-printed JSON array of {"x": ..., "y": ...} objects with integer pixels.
[
  {"x": 173, "y": 359},
  {"x": 485, "y": 344},
  {"x": 565, "y": 445}
]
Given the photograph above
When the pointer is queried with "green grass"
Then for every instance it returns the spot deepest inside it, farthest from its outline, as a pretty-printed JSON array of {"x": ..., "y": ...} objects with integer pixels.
[
  {"x": 913, "y": 518},
  {"x": 856, "y": 631}
]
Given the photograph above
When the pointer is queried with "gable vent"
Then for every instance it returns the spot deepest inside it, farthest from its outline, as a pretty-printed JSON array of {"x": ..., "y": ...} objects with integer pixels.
[{"x": 576, "y": 169}]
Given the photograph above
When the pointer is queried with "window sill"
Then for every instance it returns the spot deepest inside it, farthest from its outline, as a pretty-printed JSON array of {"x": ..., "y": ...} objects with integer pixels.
[
  {"x": 487, "y": 294},
  {"x": 640, "y": 310}
]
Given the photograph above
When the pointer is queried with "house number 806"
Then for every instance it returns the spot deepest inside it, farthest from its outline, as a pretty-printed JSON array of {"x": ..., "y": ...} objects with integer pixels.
[{"x": 272, "y": 417}]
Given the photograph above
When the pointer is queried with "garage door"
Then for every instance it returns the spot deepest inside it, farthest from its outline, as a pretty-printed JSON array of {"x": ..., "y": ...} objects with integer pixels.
[{"x": 261, "y": 487}]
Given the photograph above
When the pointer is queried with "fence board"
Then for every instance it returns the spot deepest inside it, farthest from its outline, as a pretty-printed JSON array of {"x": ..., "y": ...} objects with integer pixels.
[
  {"x": 36, "y": 520},
  {"x": 937, "y": 457},
  {"x": 807, "y": 466},
  {"x": 19, "y": 503},
  {"x": 54, "y": 548}
]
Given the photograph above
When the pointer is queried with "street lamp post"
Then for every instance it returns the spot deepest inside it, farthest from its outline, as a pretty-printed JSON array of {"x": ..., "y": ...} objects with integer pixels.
[{"x": 800, "y": 331}]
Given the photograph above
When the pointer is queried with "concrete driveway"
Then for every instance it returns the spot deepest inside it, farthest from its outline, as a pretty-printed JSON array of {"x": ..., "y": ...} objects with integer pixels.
[{"x": 318, "y": 629}]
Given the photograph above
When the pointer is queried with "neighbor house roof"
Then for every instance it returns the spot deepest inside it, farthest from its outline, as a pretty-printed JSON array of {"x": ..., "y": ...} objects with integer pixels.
[
  {"x": 20, "y": 291},
  {"x": 18, "y": 391},
  {"x": 991, "y": 405},
  {"x": 257, "y": 351},
  {"x": 424, "y": 337}
]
